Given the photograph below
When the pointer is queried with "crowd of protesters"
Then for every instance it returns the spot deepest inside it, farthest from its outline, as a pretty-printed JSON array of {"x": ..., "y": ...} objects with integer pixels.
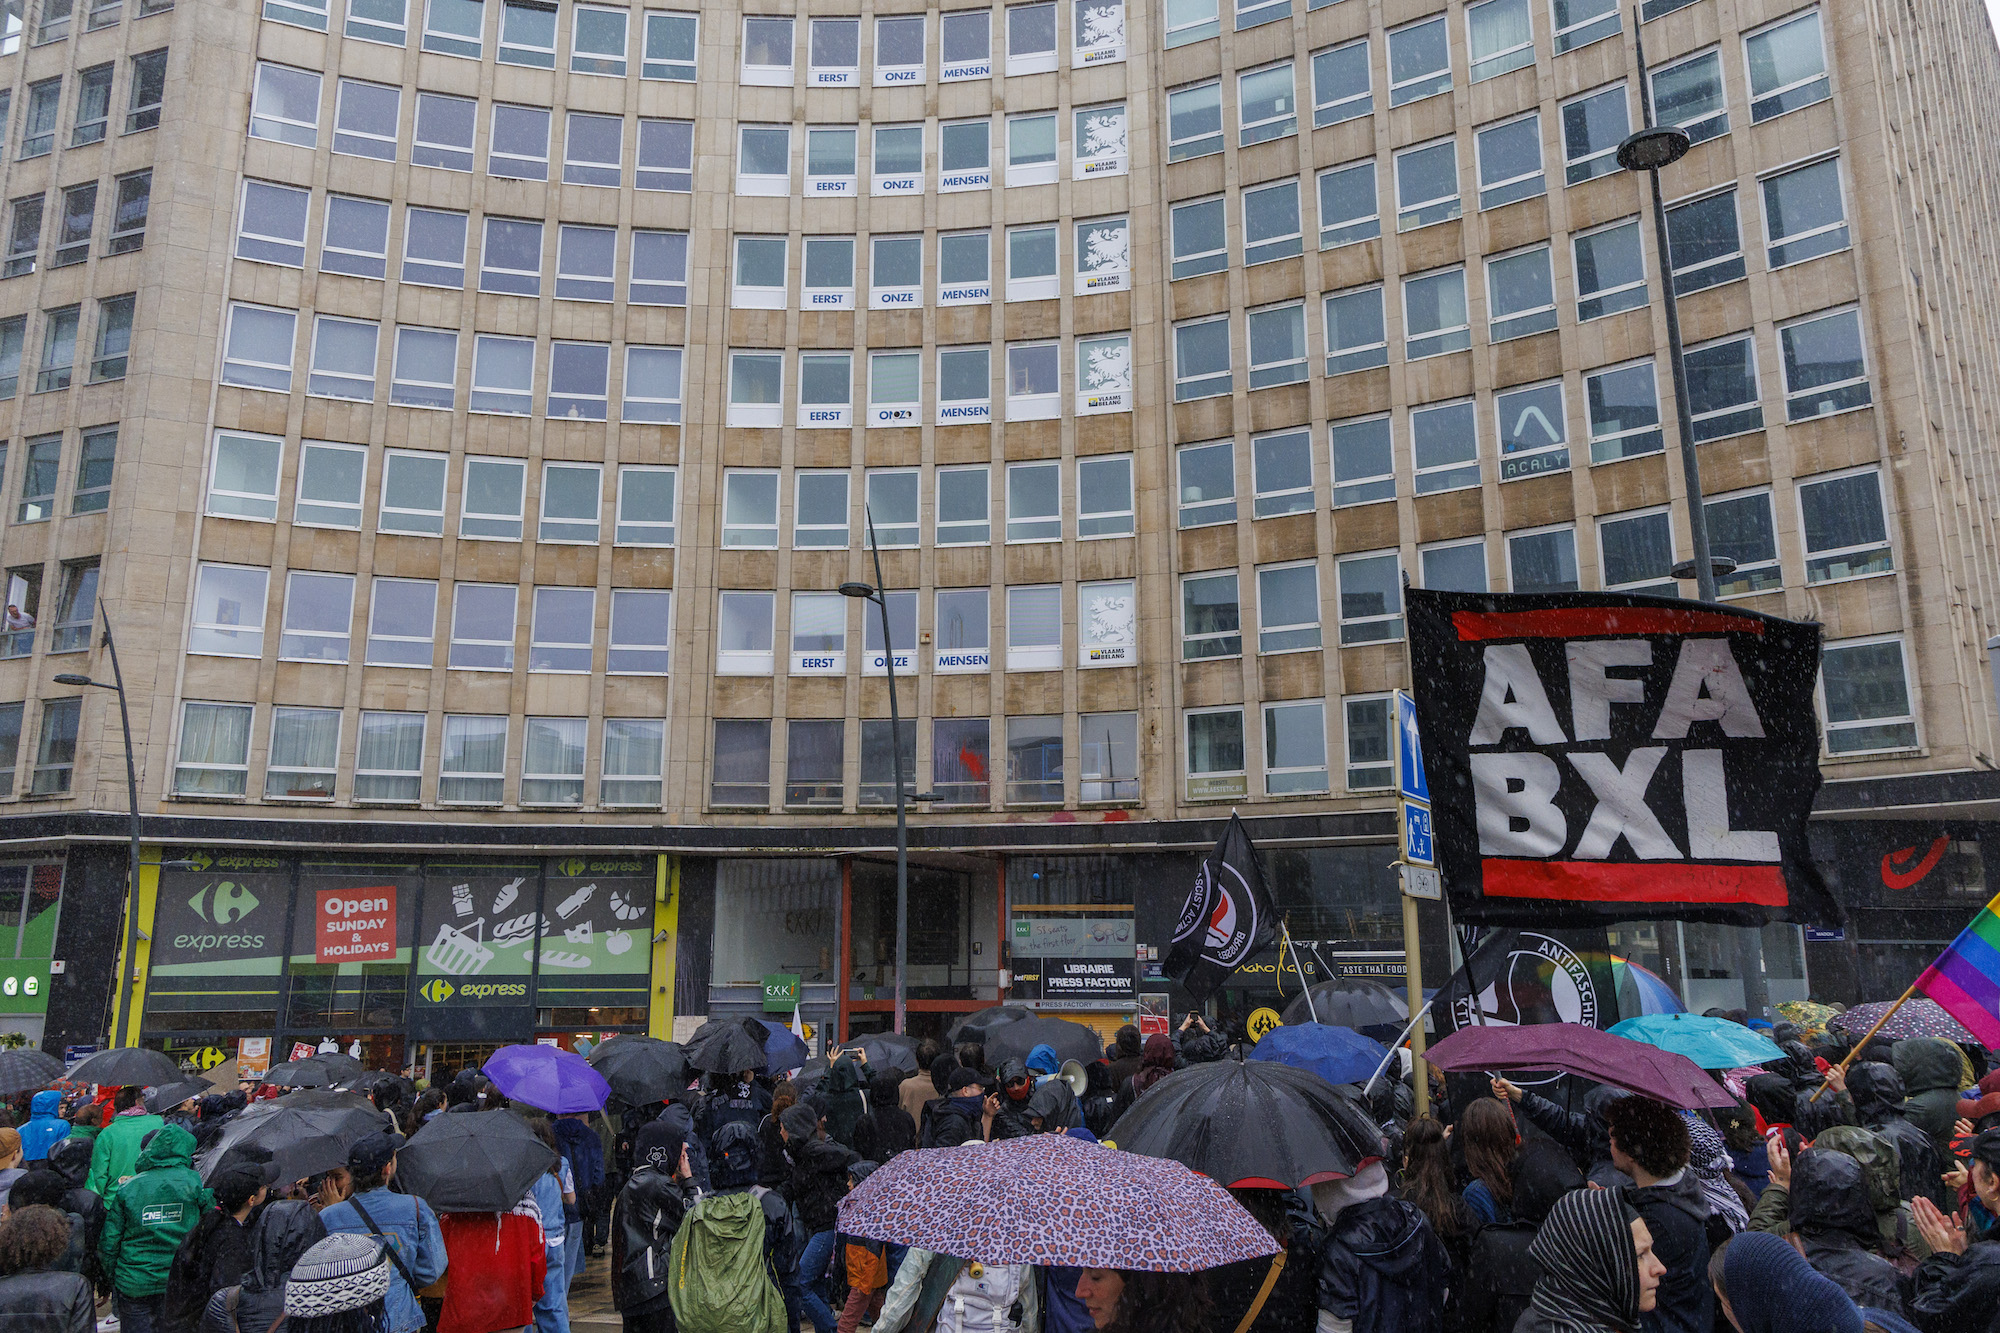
[{"x": 1827, "y": 1200}]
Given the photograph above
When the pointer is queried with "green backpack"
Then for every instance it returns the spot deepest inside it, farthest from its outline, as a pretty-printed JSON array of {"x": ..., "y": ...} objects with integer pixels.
[{"x": 719, "y": 1282}]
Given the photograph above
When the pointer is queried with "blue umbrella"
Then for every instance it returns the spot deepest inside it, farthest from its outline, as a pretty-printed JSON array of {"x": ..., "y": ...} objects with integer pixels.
[
  {"x": 547, "y": 1077},
  {"x": 1338, "y": 1055},
  {"x": 1712, "y": 1043},
  {"x": 782, "y": 1050}
]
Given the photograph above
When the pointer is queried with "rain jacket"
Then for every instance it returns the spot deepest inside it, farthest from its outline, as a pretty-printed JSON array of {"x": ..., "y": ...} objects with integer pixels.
[
  {"x": 1676, "y": 1212},
  {"x": 1831, "y": 1214},
  {"x": 1383, "y": 1269},
  {"x": 1878, "y": 1095},
  {"x": 408, "y": 1224},
  {"x": 44, "y": 1126},
  {"x": 956, "y": 1120},
  {"x": 579, "y": 1144},
  {"x": 216, "y": 1254},
  {"x": 283, "y": 1231},
  {"x": 1930, "y": 1069},
  {"x": 1957, "y": 1293},
  {"x": 649, "y": 1211},
  {"x": 1895, "y": 1228},
  {"x": 1582, "y": 1132},
  {"x": 498, "y": 1266},
  {"x": 152, "y": 1213},
  {"x": 887, "y": 1129},
  {"x": 746, "y": 1102},
  {"x": 819, "y": 1179},
  {"x": 70, "y": 1159},
  {"x": 1043, "y": 1060},
  {"x": 114, "y": 1157},
  {"x": 1054, "y": 1104},
  {"x": 839, "y": 1098},
  {"x": 38, "y": 1300},
  {"x": 910, "y": 1288},
  {"x": 1011, "y": 1120}
]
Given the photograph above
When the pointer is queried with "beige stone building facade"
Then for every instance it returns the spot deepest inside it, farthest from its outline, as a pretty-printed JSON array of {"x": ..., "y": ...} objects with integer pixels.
[{"x": 465, "y": 413}]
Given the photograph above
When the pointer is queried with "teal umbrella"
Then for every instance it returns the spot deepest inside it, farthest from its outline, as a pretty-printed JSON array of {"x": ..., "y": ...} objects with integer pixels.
[{"x": 1712, "y": 1043}]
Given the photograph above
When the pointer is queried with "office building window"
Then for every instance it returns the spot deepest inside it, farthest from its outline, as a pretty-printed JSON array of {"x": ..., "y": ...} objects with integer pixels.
[
  {"x": 402, "y": 623},
  {"x": 1371, "y": 598},
  {"x": 893, "y": 393},
  {"x": 642, "y": 626},
  {"x": 744, "y": 629},
  {"x": 1342, "y": 87},
  {"x": 1201, "y": 359},
  {"x": 767, "y": 52},
  {"x": 764, "y": 159},
  {"x": 76, "y": 608},
  {"x": 1743, "y": 528},
  {"x": 892, "y": 508},
  {"x": 38, "y": 126},
  {"x": 666, "y": 156},
  {"x": 1499, "y": 37},
  {"x": 1194, "y": 121},
  {"x": 965, "y": 270},
  {"x": 960, "y": 754},
  {"x": 319, "y": 617},
  {"x": 830, "y": 160},
  {"x": 1787, "y": 63},
  {"x": 814, "y": 755},
  {"x": 24, "y": 236},
  {"x": 597, "y": 46},
  {"x": 284, "y": 106},
  {"x": 1722, "y": 387},
  {"x": 91, "y": 491},
  {"x": 571, "y": 494},
  {"x": 366, "y": 114},
  {"x": 965, "y": 385},
  {"x": 1825, "y": 368},
  {"x": 1370, "y": 765},
  {"x": 305, "y": 743},
  {"x": 1200, "y": 238},
  {"x": 1543, "y": 560},
  {"x": 964, "y": 631},
  {"x": 38, "y": 480},
  {"x": 272, "y": 226},
  {"x": 1510, "y": 160},
  {"x": 1031, "y": 149},
  {"x": 1108, "y": 757},
  {"x": 1277, "y": 345},
  {"x": 1610, "y": 270},
  {"x": 1706, "y": 242},
  {"x": 132, "y": 201},
  {"x": 750, "y": 509},
  {"x": 1534, "y": 430},
  {"x": 1454, "y": 566},
  {"x": 1520, "y": 294},
  {"x": 963, "y": 507},
  {"x": 491, "y": 504},
  {"x": 228, "y": 617},
  {"x": 593, "y": 150},
  {"x": 1865, "y": 688},
  {"x": 55, "y": 754},
  {"x": 659, "y": 268},
  {"x": 1295, "y": 748},
  {"x": 1636, "y": 553},
  {"x": 343, "y": 359},
  {"x": 1364, "y": 467},
  {"x": 425, "y": 372},
  {"x": 819, "y": 633},
  {"x": 1288, "y": 607},
  {"x": 1207, "y": 484},
  {"x": 833, "y": 50},
  {"x": 472, "y": 763},
  {"x": 1427, "y": 185},
  {"x": 1578, "y": 23},
  {"x": 1031, "y": 39},
  {"x": 1034, "y": 381},
  {"x": 413, "y": 487},
  {"x": 896, "y": 161},
  {"x": 1593, "y": 126},
  {"x": 59, "y": 330},
  {"x": 114, "y": 339},
  {"x": 1215, "y": 754},
  {"x": 1034, "y": 628},
  {"x": 389, "y": 761},
  {"x": 562, "y": 629},
  {"x": 1035, "y": 760},
  {"x": 1348, "y": 209},
  {"x": 1190, "y": 21},
  {"x": 756, "y": 388},
  {"x": 899, "y": 50},
  {"x": 13, "y": 334},
  {"x": 214, "y": 755},
  {"x": 1841, "y": 519},
  {"x": 819, "y": 510},
  {"x": 519, "y": 147},
  {"x": 528, "y": 34},
  {"x": 510, "y": 258},
  {"x": 1419, "y": 60},
  {"x": 1104, "y": 497},
  {"x": 880, "y": 743},
  {"x": 1267, "y": 104},
  {"x": 1271, "y": 228},
  {"x": 384, "y": 21},
  {"x": 1434, "y": 314},
  {"x": 1034, "y": 502},
  {"x": 434, "y": 248},
  {"x": 1211, "y": 620},
  {"x": 329, "y": 489},
  {"x": 454, "y": 27},
  {"x": 93, "y": 106},
  {"x": 1688, "y": 94},
  {"x": 74, "y": 225},
  {"x": 1804, "y": 216},
  {"x": 965, "y": 156},
  {"x": 503, "y": 370},
  {"x": 826, "y": 390},
  {"x": 652, "y": 385},
  {"x": 671, "y": 43},
  {"x": 896, "y": 272},
  {"x": 579, "y": 380},
  {"x": 1624, "y": 406}
]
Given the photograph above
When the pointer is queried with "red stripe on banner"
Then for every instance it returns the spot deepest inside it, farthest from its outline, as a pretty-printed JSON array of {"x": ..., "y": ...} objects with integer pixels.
[
  {"x": 1628, "y": 882},
  {"x": 1583, "y": 621}
]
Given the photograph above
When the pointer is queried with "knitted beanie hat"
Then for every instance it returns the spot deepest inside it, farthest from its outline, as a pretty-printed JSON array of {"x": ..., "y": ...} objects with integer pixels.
[{"x": 342, "y": 1272}]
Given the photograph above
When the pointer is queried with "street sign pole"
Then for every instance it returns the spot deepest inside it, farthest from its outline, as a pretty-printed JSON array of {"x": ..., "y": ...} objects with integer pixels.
[{"x": 1417, "y": 868}]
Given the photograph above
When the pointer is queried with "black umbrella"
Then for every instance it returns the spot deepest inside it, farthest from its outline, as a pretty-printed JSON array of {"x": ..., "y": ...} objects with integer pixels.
[
  {"x": 314, "y": 1071},
  {"x": 1072, "y": 1041},
  {"x": 26, "y": 1069},
  {"x": 641, "y": 1069},
  {"x": 482, "y": 1162},
  {"x": 886, "y": 1051},
  {"x": 125, "y": 1067},
  {"x": 299, "y": 1144},
  {"x": 1351, "y": 1002},
  {"x": 165, "y": 1098},
  {"x": 727, "y": 1048},
  {"x": 976, "y": 1027},
  {"x": 345, "y": 1115},
  {"x": 1257, "y": 1124}
]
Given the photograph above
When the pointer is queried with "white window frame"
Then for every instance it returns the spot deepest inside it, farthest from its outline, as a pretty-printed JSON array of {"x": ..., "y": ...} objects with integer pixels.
[
  {"x": 1288, "y": 636},
  {"x": 1286, "y": 717},
  {"x": 1890, "y": 720}
]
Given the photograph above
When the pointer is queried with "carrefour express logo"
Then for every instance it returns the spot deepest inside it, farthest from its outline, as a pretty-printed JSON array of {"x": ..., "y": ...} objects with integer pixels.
[
  {"x": 223, "y": 903},
  {"x": 437, "y": 990}
]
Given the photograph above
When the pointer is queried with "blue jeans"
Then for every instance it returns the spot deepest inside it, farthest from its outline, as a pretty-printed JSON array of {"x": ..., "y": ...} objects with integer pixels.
[
  {"x": 141, "y": 1314},
  {"x": 572, "y": 1254},
  {"x": 552, "y": 1310},
  {"x": 809, "y": 1283}
]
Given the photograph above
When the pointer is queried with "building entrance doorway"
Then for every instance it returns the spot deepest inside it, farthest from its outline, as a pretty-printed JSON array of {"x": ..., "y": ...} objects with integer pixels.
[{"x": 954, "y": 944}]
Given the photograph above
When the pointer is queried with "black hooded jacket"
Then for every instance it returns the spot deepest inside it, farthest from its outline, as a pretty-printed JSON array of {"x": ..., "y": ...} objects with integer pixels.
[
  {"x": 1582, "y": 1132},
  {"x": 956, "y": 1120},
  {"x": 887, "y": 1128},
  {"x": 648, "y": 1212},
  {"x": 70, "y": 1158},
  {"x": 41, "y": 1300},
  {"x": 1878, "y": 1095},
  {"x": 1957, "y": 1293},
  {"x": 283, "y": 1231},
  {"x": 1499, "y": 1281},
  {"x": 1384, "y": 1269},
  {"x": 1011, "y": 1120},
  {"x": 1832, "y": 1215},
  {"x": 1054, "y": 1104},
  {"x": 818, "y": 1180},
  {"x": 1677, "y": 1215}
]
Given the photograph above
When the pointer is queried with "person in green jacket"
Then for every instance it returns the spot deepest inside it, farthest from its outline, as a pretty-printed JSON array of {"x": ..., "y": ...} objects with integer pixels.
[
  {"x": 145, "y": 1223},
  {"x": 114, "y": 1156}
]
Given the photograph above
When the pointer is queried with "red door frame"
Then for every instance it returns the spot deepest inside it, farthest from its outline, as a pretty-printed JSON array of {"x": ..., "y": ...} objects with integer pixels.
[{"x": 849, "y": 1007}]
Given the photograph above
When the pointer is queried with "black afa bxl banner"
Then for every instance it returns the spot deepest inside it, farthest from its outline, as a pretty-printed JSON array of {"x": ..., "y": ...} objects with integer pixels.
[
  {"x": 1608, "y": 757},
  {"x": 1228, "y": 916}
]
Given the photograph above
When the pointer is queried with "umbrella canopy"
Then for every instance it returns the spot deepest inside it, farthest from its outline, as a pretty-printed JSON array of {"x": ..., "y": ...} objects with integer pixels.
[
  {"x": 810, "y": 1073},
  {"x": 166, "y": 1097},
  {"x": 343, "y": 1114},
  {"x": 976, "y": 1027},
  {"x": 1072, "y": 1041},
  {"x": 1712, "y": 1043},
  {"x": 26, "y": 1069},
  {"x": 125, "y": 1067},
  {"x": 300, "y": 1144},
  {"x": 547, "y": 1077},
  {"x": 641, "y": 1069},
  {"x": 1350, "y": 1002},
  {"x": 783, "y": 1049},
  {"x": 1810, "y": 1018},
  {"x": 1052, "y": 1199},
  {"x": 1259, "y": 1124},
  {"x": 223, "y": 1074},
  {"x": 1572, "y": 1048},
  {"x": 1919, "y": 1017},
  {"x": 477, "y": 1163},
  {"x": 727, "y": 1047},
  {"x": 1648, "y": 992},
  {"x": 886, "y": 1050},
  {"x": 1338, "y": 1055},
  {"x": 314, "y": 1071}
]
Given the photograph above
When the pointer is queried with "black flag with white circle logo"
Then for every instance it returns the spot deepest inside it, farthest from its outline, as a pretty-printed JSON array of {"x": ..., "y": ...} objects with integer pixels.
[{"x": 1228, "y": 916}]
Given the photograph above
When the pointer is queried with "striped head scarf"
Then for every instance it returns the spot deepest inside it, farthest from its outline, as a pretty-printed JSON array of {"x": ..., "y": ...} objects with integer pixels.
[
  {"x": 1590, "y": 1272},
  {"x": 1710, "y": 1161}
]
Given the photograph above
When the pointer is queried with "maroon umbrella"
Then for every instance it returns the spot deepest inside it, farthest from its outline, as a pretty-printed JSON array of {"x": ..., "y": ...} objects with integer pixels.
[
  {"x": 1052, "y": 1199},
  {"x": 1571, "y": 1048}
]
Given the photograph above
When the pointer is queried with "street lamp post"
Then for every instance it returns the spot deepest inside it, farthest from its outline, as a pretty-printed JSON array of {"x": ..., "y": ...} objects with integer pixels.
[
  {"x": 122, "y": 1014},
  {"x": 1651, "y": 149},
  {"x": 876, "y": 595}
]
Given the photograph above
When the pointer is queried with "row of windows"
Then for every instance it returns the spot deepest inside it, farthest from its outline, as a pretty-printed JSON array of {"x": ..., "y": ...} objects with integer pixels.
[
  {"x": 601, "y": 39},
  {"x": 1031, "y": 154},
  {"x": 91, "y": 116},
  {"x": 1784, "y": 68},
  {"x": 76, "y": 221},
  {"x": 56, "y": 17},
  {"x": 1825, "y": 369},
  {"x": 62, "y": 336}
]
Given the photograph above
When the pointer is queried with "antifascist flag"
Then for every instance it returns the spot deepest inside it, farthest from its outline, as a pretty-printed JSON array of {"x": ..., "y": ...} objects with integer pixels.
[
  {"x": 1607, "y": 757},
  {"x": 1228, "y": 916},
  {"x": 1481, "y": 969}
]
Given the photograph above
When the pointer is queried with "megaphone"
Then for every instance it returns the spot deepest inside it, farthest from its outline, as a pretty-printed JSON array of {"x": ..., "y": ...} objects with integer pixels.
[{"x": 1073, "y": 1074}]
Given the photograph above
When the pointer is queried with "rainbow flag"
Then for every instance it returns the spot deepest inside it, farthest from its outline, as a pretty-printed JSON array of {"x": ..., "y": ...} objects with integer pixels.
[{"x": 1965, "y": 979}]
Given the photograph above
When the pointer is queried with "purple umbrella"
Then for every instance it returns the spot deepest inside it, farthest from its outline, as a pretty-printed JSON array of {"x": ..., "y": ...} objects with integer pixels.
[
  {"x": 1571, "y": 1048},
  {"x": 547, "y": 1077},
  {"x": 1052, "y": 1199}
]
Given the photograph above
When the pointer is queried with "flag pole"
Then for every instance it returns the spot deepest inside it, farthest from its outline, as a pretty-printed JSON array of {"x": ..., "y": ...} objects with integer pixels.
[
  {"x": 1887, "y": 1014},
  {"x": 1311, "y": 1008}
]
